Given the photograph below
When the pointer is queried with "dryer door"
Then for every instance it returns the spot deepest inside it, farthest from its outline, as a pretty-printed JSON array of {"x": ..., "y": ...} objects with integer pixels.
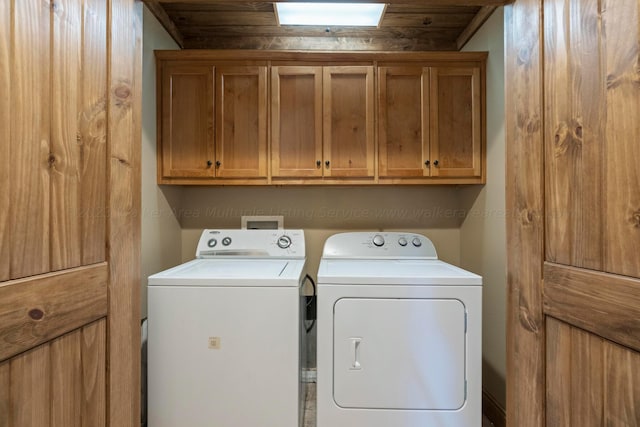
[{"x": 399, "y": 353}]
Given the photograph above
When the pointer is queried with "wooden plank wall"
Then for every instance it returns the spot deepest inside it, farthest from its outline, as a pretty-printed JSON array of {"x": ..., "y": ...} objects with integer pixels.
[
  {"x": 124, "y": 157},
  {"x": 525, "y": 225},
  {"x": 58, "y": 384},
  {"x": 69, "y": 223}
]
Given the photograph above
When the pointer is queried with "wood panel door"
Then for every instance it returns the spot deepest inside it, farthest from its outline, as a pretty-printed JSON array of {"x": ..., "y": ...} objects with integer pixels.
[
  {"x": 296, "y": 121},
  {"x": 456, "y": 123},
  {"x": 69, "y": 213},
  {"x": 187, "y": 102},
  {"x": 403, "y": 121},
  {"x": 348, "y": 121},
  {"x": 241, "y": 122},
  {"x": 573, "y": 180}
]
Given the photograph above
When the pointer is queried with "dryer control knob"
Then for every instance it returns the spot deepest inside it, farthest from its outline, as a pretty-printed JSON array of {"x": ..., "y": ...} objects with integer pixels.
[
  {"x": 378, "y": 240},
  {"x": 284, "y": 242},
  {"x": 416, "y": 242},
  {"x": 402, "y": 241},
  {"x": 212, "y": 243}
]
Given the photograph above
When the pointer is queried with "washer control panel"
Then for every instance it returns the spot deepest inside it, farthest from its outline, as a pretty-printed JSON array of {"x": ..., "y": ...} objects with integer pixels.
[
  {"x": 251, "y": 244},
  {"x": 379, "y": 245}
]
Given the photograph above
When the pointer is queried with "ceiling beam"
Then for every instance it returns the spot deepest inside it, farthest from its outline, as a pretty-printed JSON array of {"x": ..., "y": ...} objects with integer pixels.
[
  {"x": 161, "y": 15},
  {"x": 391, "y": 2},
  {"x": 480, "y": 18}
]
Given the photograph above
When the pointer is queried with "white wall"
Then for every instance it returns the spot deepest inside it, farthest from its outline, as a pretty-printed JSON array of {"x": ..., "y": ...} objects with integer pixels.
[
  {"x": 161, "y": 234},
  {"x": 483, "y": 232}
]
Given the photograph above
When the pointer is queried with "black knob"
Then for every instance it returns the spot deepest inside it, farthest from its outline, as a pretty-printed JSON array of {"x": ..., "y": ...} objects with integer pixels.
[
  {"x": 209, "y": 162},
  {"x": 435, "y": 163},
  {"x": 318, "y": 163},
  {"x": 218, "y": 163},
  {"x": 327, "y": 163},
  {"x": 427, "y": 163}
]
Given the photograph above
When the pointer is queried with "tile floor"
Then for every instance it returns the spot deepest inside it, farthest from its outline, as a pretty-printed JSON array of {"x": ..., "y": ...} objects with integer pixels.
[{"x": 310, "y": 409}]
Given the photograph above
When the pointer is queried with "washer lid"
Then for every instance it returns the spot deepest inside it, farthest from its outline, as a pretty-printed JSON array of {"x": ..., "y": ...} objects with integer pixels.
[
  {"x": 232, "y": 272},
  {"x": 394, "y": 272}
]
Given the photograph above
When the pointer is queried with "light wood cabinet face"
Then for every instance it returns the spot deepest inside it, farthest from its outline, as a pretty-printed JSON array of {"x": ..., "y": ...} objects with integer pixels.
[
  {"x": 403, "y": 121},
  {"x": 296, "y": 121},
  {"x": 241, "y": 122},
  {"x": 187, "y": 121},
  {"x": 348, "y": 110},
  {"x": 456, "y": 134}
]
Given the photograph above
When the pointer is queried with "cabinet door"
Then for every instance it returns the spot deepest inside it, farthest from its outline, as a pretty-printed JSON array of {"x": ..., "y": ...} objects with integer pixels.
[
  {"x": 296, "y": 121},
  {"x": 187, "y": 121},
  {"x": 241, "y": 122},
  {"x": 456, "y": 130},
  {"x": 348, "y": 110},
  {"x": 403, "y": 121}
]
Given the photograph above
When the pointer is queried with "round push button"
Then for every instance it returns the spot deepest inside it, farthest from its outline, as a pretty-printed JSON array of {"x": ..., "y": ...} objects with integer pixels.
[
  {"x": 378, "y": 240},
  {"x": 416, "y": 242},
  {"x": 402, "y": 241}
]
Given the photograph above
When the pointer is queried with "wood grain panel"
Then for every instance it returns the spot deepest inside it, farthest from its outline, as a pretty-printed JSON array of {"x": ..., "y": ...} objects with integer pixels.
[
  {"x": 64, "y": 159},
  {"x": 525, "y": 225},
  {"x": 5, "y": 139},
  {"x": 30, "y": 159},
  {"x": 165, "y": 20},
  {"x": 124, "y": 145},
  {"x": 574, "y": 107},
  {"x": 439, "y": 20},
  {"x": 456, "y": 124},
  {"x": 36, "y": 310},
  {"x": 403, "y": 121},
  {"x": 66, "y": 380},
  {"x": 621, "y": 386},
  {"x": 559, "y": 373},
  {"x": 621, "y": 27},
  {"x": 241, "y": 122},
  {"x": 187, "y": 121},
  {"x": 5, "y": 394},
  {"x": 296, "y": 121},
  {"x": 215, "y": 18},
  {"x": 92, "y": 131},
  {"x": 31, "y": 388},
  {"x": 93, "y": 344},
  {"x": 601, "y": 303},
  {"x": 587, "y": 366},
  {"x": 348, "y": 121}
]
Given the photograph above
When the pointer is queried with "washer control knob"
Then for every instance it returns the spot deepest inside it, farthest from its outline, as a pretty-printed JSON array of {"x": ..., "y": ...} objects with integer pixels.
[
  {"x": 402, "y": 241},
  {"x": 378, "y": 240},
  {"x": 226, "y": 241},
  {"x": 416, "y": 242},
  {"x": 284, "y": 241},
  {"x": 212, "y": 243}
]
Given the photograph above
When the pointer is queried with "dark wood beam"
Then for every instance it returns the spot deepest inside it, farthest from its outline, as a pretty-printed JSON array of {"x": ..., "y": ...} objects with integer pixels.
[
  {"x": 158, "y": 11},
  {"x": 475, "y": 24}
]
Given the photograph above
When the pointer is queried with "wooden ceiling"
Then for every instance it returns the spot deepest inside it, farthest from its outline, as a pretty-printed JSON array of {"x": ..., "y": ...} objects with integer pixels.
[{"x": 407, "y": 25}]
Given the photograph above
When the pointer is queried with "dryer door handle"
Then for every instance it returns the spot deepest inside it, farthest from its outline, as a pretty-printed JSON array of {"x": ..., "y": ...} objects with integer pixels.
[{"x": 355, "y": 351}]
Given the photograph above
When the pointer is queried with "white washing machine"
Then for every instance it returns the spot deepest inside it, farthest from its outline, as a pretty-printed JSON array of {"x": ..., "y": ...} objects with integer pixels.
[
  {"x": 226, "y": 334},
  {"x": 399, "y": 335}
]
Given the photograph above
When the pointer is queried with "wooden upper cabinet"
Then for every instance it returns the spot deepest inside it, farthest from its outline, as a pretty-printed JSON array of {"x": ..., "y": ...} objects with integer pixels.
[
  {"x": 403, "y": 121},
  {"x": 348, "y": 121},
  {"x": 430, "y": 122},
  {"x": 186, "y": 146},
  {"x": 241, "y": 122},
  {"x": 296, "y": 121},
  {"x": 456, "y": 123}
]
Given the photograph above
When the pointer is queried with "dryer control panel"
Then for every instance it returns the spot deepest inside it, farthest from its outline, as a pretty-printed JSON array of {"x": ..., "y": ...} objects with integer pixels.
[
  {"x": 383, "y": 245},
  {"x": 251, "y": 244}
]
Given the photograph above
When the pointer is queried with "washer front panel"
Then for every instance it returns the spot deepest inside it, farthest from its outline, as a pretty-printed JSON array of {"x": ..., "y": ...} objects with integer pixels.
[{"x": 399, "y": 353}]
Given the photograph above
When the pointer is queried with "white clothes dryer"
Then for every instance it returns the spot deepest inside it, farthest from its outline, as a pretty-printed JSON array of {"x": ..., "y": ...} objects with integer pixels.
[
  {"x": 399, "y": 335},
  {"x": 226, "y": 333}
]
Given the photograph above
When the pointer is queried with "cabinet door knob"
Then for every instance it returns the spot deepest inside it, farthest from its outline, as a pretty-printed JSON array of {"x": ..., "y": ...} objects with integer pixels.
[
  {"x": 318, "y": 163},
  {"x": 327, "y": 163},
  {"x": 218, "y": 163},
  {"x": 427, "y": 163},
  {"x": 209, "y": 163},
  {"x": 435, "y": 163}
]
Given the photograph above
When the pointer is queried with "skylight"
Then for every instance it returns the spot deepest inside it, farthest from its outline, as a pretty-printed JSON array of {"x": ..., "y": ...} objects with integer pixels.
[{"x": 332, "y": 14}]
